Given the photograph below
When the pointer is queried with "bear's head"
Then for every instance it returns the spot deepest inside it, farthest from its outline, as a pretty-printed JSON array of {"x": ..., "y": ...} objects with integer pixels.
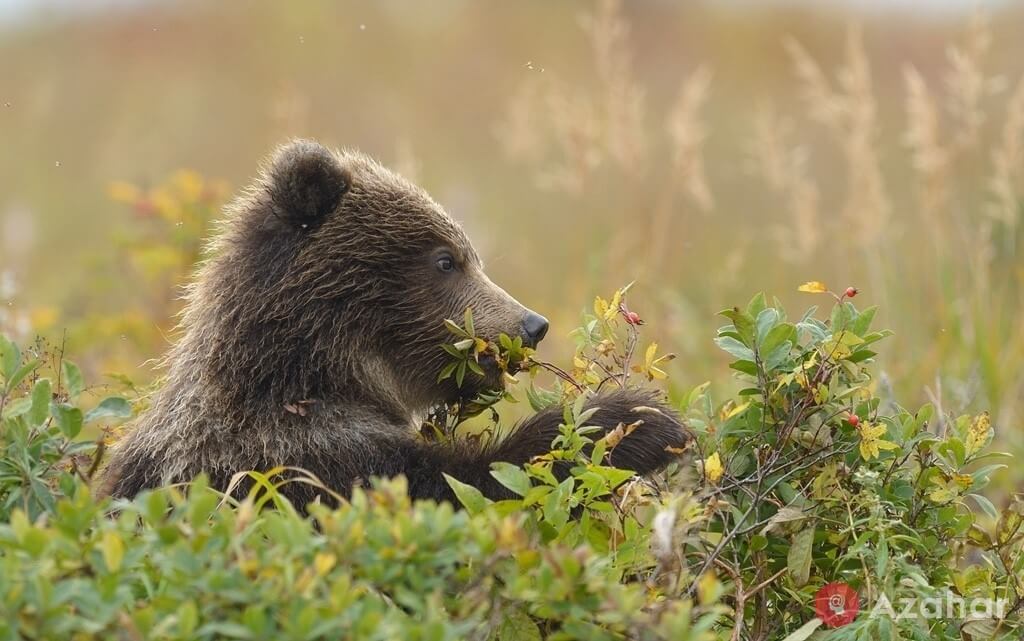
[{"x": 333, "y": 278}]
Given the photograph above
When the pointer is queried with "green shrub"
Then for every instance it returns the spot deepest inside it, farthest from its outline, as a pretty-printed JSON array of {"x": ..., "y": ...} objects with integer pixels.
[
  {"x": 42, "y": 457},
  {"x": 784, "y": 492}
]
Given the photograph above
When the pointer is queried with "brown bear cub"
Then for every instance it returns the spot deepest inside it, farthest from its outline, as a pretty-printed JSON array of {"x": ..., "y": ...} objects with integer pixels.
[{"x": 326, "y": 292}]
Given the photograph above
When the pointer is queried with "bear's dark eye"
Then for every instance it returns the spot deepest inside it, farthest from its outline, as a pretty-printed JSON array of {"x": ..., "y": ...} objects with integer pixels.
[{"x": 446, "y": 264}]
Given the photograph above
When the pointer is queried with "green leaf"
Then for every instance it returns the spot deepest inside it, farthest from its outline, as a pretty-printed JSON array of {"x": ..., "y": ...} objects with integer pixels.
[
  {"x": 765, "y": 321},
  {"x": 861, "y": 355},
  {"x": 72, "y": 381},
  {"x": 110, "y": 407},
  {"x": 747, "y": 367},
  {"x": 874, "y": 337},
  {"x": 451, "y": 350},
  {"x": 69, "y": 419},
  {"x": 454, "y": 328},
  {"x": 785, "y": 515},
  {"x": 23, "y": 371},
  {"x": 805, "y": 631},
  {"x": 467, "y": 320},
  {"x": 540, "y": 399},
  {"x": 188, "y": 618},
  {"x": 756, "y": 305},
  {"x": 954, "y": 449},
  {"x": 884, "y": 628},
  {"x": 986, "y": 506},
  {"x": 841, "y": 316},
  {"x": 471, "y": 498},
  {"x": 17, "y": 407},
  {"x": 881, "y": 559},
  {"x": 10, "y": 356},
  {"x": 777, "y": 356},
  {"x": 736, "y": 348},
  {"x": 218, "y": 629},
  {"x": 41, "y": 492},
  {"x": 613, "y": 475},
  {"x": 42, "y": 394},
  {"x": 511, "y": 476},
  {"x": 981, "y": 476},
  {"x": 980, "y": 629},
  {"x": 743, "y": 322},
  {"x": 862, "y": 323},
  {"x": 518, "y": 626},
  {"x": 799, "y": 559},
  {"x": 778, "y": 335},
  {"x": 447, "y": 371}
]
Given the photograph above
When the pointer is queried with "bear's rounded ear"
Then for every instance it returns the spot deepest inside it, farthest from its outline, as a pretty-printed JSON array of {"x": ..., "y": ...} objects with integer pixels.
[{"x": 305, "y": 182}]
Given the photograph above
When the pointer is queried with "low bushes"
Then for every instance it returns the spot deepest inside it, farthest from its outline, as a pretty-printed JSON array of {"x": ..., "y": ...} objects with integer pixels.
[{"x": 808, "y": 505}]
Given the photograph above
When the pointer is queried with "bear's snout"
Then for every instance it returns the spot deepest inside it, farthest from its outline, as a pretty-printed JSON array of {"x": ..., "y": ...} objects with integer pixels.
[{"x": 535, "y": 328}]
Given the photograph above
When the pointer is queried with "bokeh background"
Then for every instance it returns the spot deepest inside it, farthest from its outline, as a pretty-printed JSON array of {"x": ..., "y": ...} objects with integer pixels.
[{"x": 705, "y": 150}]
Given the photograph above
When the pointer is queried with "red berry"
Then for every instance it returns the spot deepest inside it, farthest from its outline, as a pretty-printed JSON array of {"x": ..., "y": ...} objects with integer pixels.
[
  {"x": 853, "y": 420},
  {"x": 851, "y": 292},
  {"x": 633, "y": 318}
]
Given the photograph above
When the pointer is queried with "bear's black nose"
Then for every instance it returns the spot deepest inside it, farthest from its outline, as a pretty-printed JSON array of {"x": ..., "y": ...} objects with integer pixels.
[{"x": 535, "y": 327}]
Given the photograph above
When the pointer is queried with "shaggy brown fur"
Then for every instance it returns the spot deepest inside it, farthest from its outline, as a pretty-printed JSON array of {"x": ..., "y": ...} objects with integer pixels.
[{"x": 327, "y": 290}]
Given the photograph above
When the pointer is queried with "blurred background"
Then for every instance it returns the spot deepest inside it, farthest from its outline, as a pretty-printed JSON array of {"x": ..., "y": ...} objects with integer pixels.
[{"x": 705, "y": 150}]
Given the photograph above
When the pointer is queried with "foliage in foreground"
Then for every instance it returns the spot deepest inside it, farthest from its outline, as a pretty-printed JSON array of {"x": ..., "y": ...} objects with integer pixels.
[{"x": 806, "y": 479}]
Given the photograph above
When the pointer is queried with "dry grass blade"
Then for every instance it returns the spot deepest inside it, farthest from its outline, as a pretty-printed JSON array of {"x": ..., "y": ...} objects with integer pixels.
[
  {"x": 687, "y": 133},
  {"x": 1008, "y": 162}
]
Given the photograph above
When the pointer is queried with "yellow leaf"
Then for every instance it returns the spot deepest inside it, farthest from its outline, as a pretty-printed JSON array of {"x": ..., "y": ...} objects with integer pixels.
[
  {"x": 112, "y": 548},
  {"x": 657, "y": 374},
  {"x": 615, "y": 436},
  {"x": 847, "y": 337},
  {"x": 869, "y": 431},
  {"x": 650, "y": 367},
  {"x": 600, "y": 307},
  {"x": 784, "y": 381},
  {"x": 979, "y": 434},
  {"x": 708, "y": 588},
  {"x": 713, "y": 468},
  {"x": 323, "y": 562},
  {"x": 837, "y": 350},
  {"x": 652, "y": 349},
  {"x": 867, "y": 450},
  {"x": 613, "y": 308},
  {"x": 944, "y": 492},
  {"x": 736, "y": 410},
  {"x": 813, "y": 287},
  {"x": 871, "y": 442},
  {"x": 821, "y": 394},
  {"x": 963, "y": 481}
]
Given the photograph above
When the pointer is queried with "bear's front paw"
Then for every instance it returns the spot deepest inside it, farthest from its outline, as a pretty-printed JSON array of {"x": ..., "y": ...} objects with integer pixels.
[{"x": 658, "y": 438}]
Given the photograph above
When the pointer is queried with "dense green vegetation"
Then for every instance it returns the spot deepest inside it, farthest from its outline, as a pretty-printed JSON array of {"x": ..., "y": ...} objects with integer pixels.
[{"x": 806, "y": 478}]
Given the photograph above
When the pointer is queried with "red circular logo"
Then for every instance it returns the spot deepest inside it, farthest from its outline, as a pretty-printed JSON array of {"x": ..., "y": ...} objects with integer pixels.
[{"x": 836, "y": 604}]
